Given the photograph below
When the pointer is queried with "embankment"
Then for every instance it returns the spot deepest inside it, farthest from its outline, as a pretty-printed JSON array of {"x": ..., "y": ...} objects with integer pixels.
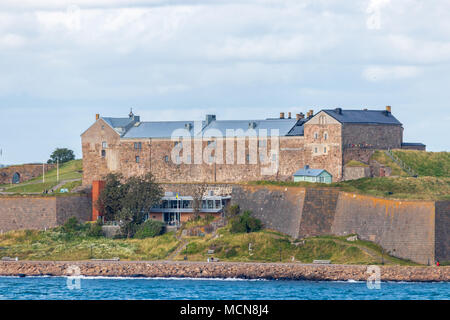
[{"x": 279, "y": 271}]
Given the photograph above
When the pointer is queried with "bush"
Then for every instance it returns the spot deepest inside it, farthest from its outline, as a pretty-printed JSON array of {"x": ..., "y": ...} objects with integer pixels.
[
  {"x": 245, "y": 223},
  {"x": 149, "y": 229},
  {"x": 71, "y": 225},
  {"x": 231, "y": 253},
  {"x": 95, "y": 229}
]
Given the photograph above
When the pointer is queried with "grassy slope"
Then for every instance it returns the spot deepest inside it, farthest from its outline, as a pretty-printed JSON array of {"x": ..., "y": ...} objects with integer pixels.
[
  {"x": 434, "y": 164},
  {"x": 54, "y": 244},
  {"x": 67, "y": 171},
  {"x": 382, "y": 158},
  {"x": 422, "y": 188}
]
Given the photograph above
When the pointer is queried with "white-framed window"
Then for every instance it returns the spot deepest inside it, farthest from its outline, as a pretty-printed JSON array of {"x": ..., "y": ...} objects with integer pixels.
[
  {"x": 316, "y": 135},
  {"x": 104, "y": 144},
  {"x": 315, "y": 150},
  {"x": 325, "y": 135},
  {"x": 324, "y": 149}
]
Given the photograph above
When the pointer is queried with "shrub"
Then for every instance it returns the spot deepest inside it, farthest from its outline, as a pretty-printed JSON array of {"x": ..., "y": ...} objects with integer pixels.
[
  {"x": 245, "y": 223},
  {"x": 71, "y": 225},
  {"x": 231, "y": 253},
  {"x": 95, "y": 229},
  {"x": 149, "y": 229}
]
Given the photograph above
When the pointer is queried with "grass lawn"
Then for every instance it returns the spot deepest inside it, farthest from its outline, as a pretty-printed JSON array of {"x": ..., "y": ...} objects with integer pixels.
[
  {"x": 265, "y": 246},
  {"x": 435, "y": 164},
  {"x": 67, "y": 171}
]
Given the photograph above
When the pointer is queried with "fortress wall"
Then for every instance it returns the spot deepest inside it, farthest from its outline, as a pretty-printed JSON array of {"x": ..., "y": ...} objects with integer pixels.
[
  {"x": 26, "y": 172},
  {"x": 79, "y": 207},
  {"x": 404, "y": 228},
  {"x": 442, "y": 231},
  {"x": 278, "y": 208},
  {"x": 318, "y": 212},
  {"x": 38, "y": 213}
]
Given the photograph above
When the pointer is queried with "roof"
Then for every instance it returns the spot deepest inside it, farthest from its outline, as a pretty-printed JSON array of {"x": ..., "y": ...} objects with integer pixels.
[
  {"x": 282, "y": 125},
  {"x": 362, "y": 116},
  {"x": 412, "y": 144},
  {"x": 161, "y": 129},
  {"x": 309, "y": 172}
]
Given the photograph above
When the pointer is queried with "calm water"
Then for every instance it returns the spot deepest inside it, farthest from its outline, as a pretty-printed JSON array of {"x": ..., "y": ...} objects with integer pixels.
[{"x": 170, "y": 289}]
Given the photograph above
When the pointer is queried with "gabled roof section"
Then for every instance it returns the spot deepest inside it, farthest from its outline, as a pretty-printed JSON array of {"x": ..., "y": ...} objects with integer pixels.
[
  {"x": 308, "y": 172},
  {"x": 159, "y": 129},
  {"x": 121, "y": 125},
  {"x": 282, "y": 125},
  {"x": 363, "y": 116}
]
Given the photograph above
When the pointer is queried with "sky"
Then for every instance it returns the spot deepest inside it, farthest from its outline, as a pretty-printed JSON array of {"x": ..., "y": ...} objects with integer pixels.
[{"x": 61, "y": 62}]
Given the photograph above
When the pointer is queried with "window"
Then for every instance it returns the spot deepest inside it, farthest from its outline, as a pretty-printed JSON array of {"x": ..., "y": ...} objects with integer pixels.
[
  {"x": 104, "y": 144},
  {"x": 316, "y": 135},
  {"x": 247, "y": 157},
  {"x": 324, "y": 149},
  {"x": 137, "y": 159},
  {"x": 103, "y": 153},
  {"x": 166, "y": 158},
  {"x": 138, "y": 145},
  {"x": 211, "y": 143},
  {"x": 325, "y": 135},
  {"x": 263, "y": 143},
  {"x": 211, "y": 159},
  {"x": 315, "y": 150},
  {"x": 177, "y": 144}
]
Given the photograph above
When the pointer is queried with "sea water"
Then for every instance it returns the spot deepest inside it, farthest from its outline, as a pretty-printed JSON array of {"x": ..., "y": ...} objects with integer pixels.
[{"x": 86, "y": 288}]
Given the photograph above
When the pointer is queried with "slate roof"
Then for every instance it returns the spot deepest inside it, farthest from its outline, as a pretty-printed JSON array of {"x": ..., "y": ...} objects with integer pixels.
[
  {"x": 308, "y": 172},
  {"x": 132, "y": 128},
  {"x": 362, "y": 116}
]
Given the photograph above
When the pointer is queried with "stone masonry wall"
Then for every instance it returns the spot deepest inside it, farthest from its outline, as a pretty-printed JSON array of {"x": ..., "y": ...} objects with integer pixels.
[
  {"x": 442, "y": 231},
  {"x": 18, "y": 212},
  {"x": 26, "y": 172},
  {"x": 404, "y": 228}
]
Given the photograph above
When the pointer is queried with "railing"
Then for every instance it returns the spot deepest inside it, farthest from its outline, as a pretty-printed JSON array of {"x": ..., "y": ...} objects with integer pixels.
[{"x": 402, "y": 165}]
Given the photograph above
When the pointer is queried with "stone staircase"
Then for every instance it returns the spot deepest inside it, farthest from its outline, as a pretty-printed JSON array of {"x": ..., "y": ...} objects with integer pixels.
[{"x": 401, "y": 164}]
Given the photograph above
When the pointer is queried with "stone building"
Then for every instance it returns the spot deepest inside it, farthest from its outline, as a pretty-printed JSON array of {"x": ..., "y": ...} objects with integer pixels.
[{"x": 226, "y": 151}]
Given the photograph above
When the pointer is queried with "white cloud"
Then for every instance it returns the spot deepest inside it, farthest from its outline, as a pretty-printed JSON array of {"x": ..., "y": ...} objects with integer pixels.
[{"x": 387, "y": 73}]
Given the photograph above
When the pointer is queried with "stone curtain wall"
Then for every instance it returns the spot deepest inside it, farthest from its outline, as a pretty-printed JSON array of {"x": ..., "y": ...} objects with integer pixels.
[
  {"x": 353, "y": 173},
  {"x": 38, "y": 213},
  {"x": 26, "y": 171},
  {"x": 278, "y": 208},
  {"x": 442, "y": 231},
  {"x": 404, "y": 228},
  {"x": 317, "y": 214}
]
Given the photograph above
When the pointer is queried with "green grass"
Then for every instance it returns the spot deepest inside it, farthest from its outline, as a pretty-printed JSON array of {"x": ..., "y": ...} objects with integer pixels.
[
  {"x": 421, "y": 188},
  {"x": 271, "y": 246},
  {"x": 56, "y": 245},
  {"x": 354, "y": 163},
  {"x": 67, "y": 171},
  {"x": 266, "y": 245},
  {"x": 433, "y": 164},
  {"x": 382, "y": 158}
]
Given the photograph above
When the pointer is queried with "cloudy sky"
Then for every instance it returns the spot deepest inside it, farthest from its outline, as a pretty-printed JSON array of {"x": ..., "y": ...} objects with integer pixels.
[{"x": 61, "y": 62}]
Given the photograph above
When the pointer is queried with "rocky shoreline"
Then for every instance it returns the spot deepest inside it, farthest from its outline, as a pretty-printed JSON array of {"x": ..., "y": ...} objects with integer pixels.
[{"x": 278, "y": 271}]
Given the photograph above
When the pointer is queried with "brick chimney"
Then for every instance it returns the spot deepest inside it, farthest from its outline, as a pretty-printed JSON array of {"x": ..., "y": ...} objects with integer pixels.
[
  {"x": 281, "y": 115},
  {"x": 388, "y": 109},
  {"x": 97, "y": 116},
  {"x": 289, "y": 115}
]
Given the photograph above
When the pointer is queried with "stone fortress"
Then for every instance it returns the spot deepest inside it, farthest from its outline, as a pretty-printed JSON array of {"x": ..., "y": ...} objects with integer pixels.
[{"x": 326, "y": 140}]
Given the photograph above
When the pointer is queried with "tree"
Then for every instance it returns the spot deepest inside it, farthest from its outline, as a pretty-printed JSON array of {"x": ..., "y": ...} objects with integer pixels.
[
  {"x": 62, "y": 155},
  {"x": 128, "y": 200},
  {"x": 245, "y": 223},
  {"x": 198, "y": 192}
]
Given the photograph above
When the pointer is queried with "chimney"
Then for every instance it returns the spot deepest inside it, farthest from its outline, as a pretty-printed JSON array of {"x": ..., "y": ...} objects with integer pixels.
[
  {"x": 97, "y": 116},
  {"x": 289, "y": 115},
  {"x": 281, "y": 115},
  {"x": 388, "y": 109},
  {"x": 297, "y": 116},
  {"x": 338, "y": 110},
  {"x": 307, "y": 167},
  {"x": 311, "y": 113},
  {"x": 210, "y": 118}
]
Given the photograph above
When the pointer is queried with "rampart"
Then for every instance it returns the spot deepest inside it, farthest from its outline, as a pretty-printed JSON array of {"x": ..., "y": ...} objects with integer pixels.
[{"x": 36, "y": 212}]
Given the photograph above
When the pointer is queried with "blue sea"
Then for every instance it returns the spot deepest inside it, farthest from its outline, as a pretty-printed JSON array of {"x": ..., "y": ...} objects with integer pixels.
[{"x": 87, "y": 288}]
